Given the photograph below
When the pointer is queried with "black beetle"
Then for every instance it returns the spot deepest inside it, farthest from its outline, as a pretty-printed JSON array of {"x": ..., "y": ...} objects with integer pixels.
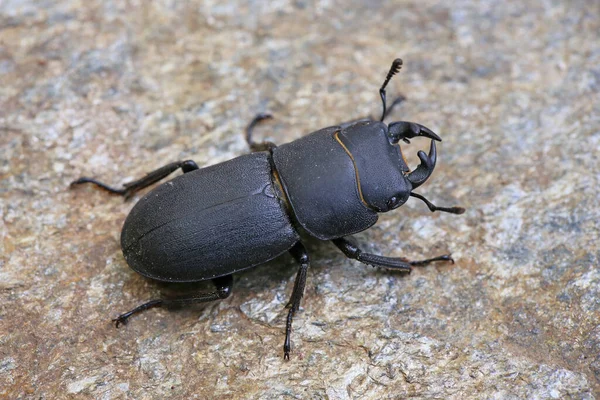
[{"x": 212, "y": 222}]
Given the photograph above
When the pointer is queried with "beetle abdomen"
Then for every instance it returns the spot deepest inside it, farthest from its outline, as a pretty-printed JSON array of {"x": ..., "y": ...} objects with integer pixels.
[{"x": 208, "y": 223}]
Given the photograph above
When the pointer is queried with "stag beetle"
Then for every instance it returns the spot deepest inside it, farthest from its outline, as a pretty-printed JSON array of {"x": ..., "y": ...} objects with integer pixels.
[{"x": 212, "y": 222}]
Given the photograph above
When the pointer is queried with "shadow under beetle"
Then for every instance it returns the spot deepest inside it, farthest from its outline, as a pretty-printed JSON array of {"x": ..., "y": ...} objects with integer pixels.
[{"x": 212, "y": 222}]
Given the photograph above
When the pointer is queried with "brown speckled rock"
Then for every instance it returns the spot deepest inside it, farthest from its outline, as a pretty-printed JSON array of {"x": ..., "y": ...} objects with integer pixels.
[{"x": 115, "y": 89}]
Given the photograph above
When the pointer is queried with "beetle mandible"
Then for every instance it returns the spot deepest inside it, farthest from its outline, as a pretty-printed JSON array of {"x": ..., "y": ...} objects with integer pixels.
[{"x": 212, "y": 222}]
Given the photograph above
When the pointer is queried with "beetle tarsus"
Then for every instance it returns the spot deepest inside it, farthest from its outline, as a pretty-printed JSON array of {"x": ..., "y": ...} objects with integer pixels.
[
  {"x": 433, "y": 207},
  {"x": 120, "y": 320},
  {"x": 420, "y": 263},
  {"x": 123, "y": 318},
  {"x": 101, "y": 185}
]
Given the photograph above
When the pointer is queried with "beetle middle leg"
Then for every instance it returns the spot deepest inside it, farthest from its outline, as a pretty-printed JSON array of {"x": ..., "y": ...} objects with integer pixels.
[
  {"x": 223, "y": 285},
  {"x": 399, "y": 263},
  {"x": 132, "y": 187},
  {"x": 262, "y": 146},
  {"x": 301, "y": 255}
]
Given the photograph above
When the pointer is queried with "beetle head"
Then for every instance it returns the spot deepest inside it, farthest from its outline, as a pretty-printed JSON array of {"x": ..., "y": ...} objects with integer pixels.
[{"x": 383, "y": 176}]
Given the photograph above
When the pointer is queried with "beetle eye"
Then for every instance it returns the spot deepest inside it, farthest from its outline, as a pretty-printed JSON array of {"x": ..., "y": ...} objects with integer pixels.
[{"x": 393, "y": 202}]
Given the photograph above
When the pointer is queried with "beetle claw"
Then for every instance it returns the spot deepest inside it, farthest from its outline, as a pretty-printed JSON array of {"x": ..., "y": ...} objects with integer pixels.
[
  {"x": 428, "y": 133},
  {"x": 120, "y": 320},
  {"x": 403, "y": 130},
  {"x": 425, "y": 169}
]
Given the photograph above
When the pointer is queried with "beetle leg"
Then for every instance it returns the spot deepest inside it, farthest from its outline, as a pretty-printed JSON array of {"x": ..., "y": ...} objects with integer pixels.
[
  {"x": 250, "y": 129},
  {"x": 301, "y": 255},
  {"x": 132, "y": 187},
  {"x": 223, "y": 285},
  {"x": 433, "y": 207},
  {"x": 399, "y": 263}
]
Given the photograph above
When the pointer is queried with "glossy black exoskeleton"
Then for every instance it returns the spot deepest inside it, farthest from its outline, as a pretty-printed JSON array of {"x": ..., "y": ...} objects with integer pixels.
[{"x": 212, "y": 222}]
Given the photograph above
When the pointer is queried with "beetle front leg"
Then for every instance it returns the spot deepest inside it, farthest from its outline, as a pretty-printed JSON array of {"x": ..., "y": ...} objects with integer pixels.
[
  {"x": 132, "y": 187},
  {"x": 399, "y": 263},
  {"x": 223, "y": 285},
  {"x": 301, "y": 255},
  {"x": 432, "y": 207}
]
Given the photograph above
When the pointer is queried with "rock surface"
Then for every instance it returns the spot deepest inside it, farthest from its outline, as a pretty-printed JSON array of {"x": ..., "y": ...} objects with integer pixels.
[{"x": 115, "y": 89}]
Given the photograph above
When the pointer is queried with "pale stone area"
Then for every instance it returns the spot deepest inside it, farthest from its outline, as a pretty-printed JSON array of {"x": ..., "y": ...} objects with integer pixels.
[{"x": 114, "y": 89}]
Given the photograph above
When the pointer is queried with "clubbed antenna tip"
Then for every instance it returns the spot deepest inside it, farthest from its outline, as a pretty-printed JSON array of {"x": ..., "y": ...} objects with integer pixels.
[{"x": 394, "y": 69}]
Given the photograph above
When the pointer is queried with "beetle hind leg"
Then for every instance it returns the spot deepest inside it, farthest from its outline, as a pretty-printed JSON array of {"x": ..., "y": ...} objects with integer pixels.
[
  {"x": 396, "y": 263},
  {"x": 131, "y": 188},
  {"x": 301, "y": 255},
  {"x": 222, "y": 284}
]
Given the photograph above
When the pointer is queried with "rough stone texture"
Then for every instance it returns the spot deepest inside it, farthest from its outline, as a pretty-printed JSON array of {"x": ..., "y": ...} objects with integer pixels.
[{"x": 115, "y": 89}]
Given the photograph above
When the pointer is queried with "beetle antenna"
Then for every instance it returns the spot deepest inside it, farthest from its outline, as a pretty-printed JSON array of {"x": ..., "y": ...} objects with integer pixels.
[{"x": 394, "y": 69}]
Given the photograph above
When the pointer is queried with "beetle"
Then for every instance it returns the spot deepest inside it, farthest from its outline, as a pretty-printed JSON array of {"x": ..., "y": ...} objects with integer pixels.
[{"x": 212, "y": 222}]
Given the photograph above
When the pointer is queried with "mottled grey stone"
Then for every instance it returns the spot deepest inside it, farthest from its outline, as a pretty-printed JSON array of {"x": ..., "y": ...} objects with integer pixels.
[{"x": 115, "y": 89}]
